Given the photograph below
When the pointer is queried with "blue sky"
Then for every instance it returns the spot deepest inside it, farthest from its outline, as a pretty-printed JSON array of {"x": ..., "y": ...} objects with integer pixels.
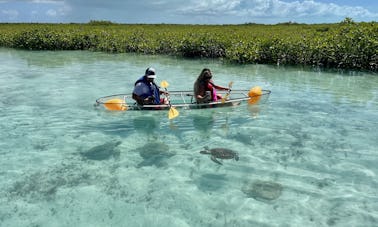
[{"x": 188, "y": 11}]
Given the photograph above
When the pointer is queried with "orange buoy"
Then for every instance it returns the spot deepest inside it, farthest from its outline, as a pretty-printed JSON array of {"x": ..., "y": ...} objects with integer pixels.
[
  {"x": 115, "y": 104},
  {"x": 255, "y": 95}
]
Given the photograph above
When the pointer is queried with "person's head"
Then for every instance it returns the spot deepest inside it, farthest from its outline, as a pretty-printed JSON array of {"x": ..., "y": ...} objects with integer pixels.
[
  {"x": 206, "y": 74},
  {"x": 150, "y": 73}
]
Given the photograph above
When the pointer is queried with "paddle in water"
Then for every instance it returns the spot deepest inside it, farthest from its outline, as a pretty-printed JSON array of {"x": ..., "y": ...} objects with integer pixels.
[
  {"x": 172, "y": 113},
  {"x": 223, "y": 100}
]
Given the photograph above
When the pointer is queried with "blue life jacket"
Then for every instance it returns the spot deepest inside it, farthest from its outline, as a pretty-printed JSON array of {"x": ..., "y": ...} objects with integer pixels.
[{"x": 153, "y": 89}]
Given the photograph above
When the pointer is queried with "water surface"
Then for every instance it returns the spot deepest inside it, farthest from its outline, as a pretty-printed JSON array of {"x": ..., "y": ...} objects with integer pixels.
[{"x": 312, "y": 144}]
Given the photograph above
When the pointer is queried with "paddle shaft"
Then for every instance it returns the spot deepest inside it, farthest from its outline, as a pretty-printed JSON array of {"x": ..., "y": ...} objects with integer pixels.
[{"x": 172, "y": 113}]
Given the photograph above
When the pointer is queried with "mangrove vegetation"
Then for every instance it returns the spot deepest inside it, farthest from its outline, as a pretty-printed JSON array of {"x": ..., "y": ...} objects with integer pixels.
[{"x": 344, "y": 45}]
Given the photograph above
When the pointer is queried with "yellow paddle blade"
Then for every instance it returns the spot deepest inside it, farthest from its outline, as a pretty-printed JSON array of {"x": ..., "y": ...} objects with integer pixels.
[
  {"x": 115, "y": 104},
  {"x": 164, "y": 84},
  {"x": 255, "y": 95},
  {"x": 172, "y": 113},
  {"x": 223, "y": 100}
]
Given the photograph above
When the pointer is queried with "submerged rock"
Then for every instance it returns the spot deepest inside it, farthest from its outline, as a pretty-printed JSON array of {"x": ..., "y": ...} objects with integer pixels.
[
  {"x": 154, "y": 154},
  {"x": 102, "y": 152},
  {"x": 262, "y": 190}
]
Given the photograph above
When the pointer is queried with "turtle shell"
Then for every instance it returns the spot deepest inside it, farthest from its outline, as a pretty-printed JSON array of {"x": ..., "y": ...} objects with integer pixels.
[
  {"x": 224, "y": 153},
  {"x": 102, "y": 152}
]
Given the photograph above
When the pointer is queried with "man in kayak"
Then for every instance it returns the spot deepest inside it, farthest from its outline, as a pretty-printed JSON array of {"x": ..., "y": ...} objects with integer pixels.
[
  {"x": 204, "y": 88},
  {"x": 146, "y": 91}
]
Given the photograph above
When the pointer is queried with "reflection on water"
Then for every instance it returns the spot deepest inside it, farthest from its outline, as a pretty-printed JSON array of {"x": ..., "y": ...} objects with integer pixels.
[
  {"x": 111, "y": 127},
  {"x": 246, "y": 138},
  {"x": 307, "y": 153},
  {"x": 211, "y": 182},
  {"x": 348, "y": 85},
  {"x": 145, "y": 124},
  {"x": 203, "y": 123},
  {"x": 253, "y": 110},
  {"x": 62, "y": 58}
]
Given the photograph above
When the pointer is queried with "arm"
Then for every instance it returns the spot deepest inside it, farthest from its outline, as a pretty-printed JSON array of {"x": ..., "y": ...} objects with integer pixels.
[
  {"x": 201, "y": 95},
  {"x": 164, "y": 92},
  {"x": 202, "y": 99},
  {"x": 142, "y": 101},
  {"x": 219, "y": 87}
]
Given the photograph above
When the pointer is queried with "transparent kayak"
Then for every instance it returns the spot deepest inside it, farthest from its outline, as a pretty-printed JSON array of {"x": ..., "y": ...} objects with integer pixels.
[{"x": 180, "y": 100}]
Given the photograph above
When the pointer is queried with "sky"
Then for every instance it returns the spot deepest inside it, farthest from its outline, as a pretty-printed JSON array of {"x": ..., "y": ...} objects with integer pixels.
[{"x": 187, "y": 11}]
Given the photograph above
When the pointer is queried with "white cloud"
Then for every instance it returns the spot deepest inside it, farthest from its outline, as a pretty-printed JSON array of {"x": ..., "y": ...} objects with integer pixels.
[
  {"x": 273, "y": 8},
  {"x": 211, "y": 7},
  {"x": 51, "y": 13},
  {"x": 10, "y": 14}
]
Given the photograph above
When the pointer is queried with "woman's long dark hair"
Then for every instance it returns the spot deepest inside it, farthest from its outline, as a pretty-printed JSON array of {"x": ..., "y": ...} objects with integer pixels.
[{"x": 205, "y": 74}]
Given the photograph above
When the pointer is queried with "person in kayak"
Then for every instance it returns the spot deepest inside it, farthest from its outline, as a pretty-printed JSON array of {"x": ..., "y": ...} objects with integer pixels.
[
  {"x": 204, "y": 88},
  {"x": 146, "y": 91}
]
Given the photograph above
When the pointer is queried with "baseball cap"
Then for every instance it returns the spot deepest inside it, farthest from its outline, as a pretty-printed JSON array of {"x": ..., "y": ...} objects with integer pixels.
[{"x": 150, "y": 73}]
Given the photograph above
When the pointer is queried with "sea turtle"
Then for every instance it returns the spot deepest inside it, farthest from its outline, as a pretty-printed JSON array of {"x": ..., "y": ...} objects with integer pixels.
[
  {"x": 154, "y": 153},
  {"x": 102, "y": 152},
  {"x": 221, "y": 153}
]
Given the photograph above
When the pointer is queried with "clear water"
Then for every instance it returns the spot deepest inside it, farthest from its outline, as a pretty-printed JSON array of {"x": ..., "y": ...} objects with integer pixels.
[{"x": 314, "y": 141}]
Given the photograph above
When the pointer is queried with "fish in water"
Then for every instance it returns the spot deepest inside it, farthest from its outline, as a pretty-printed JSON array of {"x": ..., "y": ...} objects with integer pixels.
[{"x": 103, "y": 152}]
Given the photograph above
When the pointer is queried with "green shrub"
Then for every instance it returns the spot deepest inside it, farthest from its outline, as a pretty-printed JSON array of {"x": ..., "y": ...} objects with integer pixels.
[{"x": 347, "y": 45}]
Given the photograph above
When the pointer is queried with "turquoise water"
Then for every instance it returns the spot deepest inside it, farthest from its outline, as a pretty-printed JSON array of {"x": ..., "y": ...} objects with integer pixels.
[{"x": 308, "y": 153}]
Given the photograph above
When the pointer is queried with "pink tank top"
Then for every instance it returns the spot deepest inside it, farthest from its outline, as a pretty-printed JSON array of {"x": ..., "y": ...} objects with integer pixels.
[{"x": 214, "y": 92}]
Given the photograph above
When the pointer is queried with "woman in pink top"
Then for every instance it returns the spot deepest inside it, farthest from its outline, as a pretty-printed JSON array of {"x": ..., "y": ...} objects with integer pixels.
[{"x": 204, "y": 88}]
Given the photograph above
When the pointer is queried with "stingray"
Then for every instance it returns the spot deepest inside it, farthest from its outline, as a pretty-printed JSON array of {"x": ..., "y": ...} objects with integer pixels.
[
  {"x": 103, "y": 152},
  {"x": 262, "y": 190}
]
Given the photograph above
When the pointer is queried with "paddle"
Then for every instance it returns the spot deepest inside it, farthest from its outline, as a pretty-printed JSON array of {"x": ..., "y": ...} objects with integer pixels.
[
  {"x": 172, "y": 113},
  {"x": 223, "y": 100},
  {"x": 116, "y": 104}
]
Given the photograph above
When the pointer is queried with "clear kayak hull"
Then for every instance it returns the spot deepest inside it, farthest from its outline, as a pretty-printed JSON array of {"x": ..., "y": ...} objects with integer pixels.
[{"x": 178, "y": 100}]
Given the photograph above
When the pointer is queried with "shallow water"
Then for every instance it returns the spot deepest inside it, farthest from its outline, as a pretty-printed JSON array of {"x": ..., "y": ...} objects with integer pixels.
[{"x": 307, "y": 153}]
